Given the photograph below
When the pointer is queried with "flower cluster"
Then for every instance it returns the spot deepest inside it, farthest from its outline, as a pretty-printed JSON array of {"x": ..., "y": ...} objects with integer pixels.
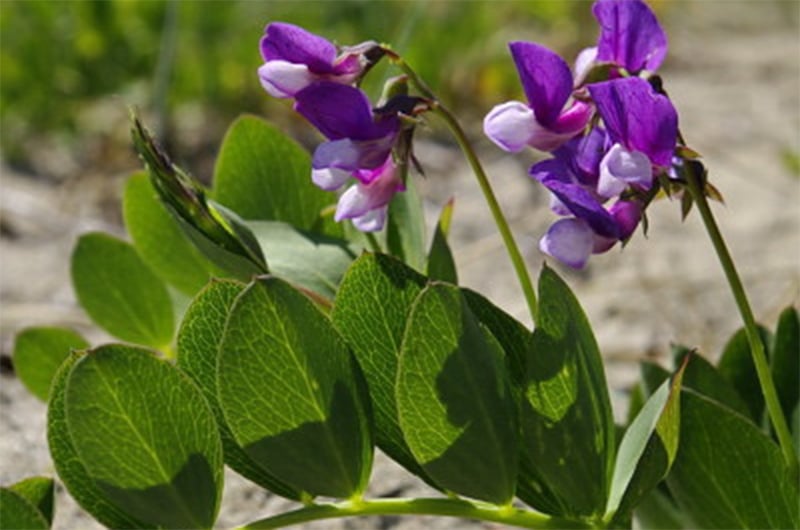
[
  {"x": 361, "y": 140},
  {"x": 610, "y": 133}
]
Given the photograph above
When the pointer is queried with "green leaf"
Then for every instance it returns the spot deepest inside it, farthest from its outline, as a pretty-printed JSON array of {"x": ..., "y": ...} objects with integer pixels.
[
  {"x": 786, "y": 361},
  {"x": 119, "y": 292},
  {"x": 647, "y": 450},
  {"x": 658, "y": 511},
  {"x": 454, "y": 398},
  {"x": 567, "y": 424},
  {"x": 728, "y": 473},
  {"x": 311, "y": 261},
  {"x": 38, "y": 352},
  {"x": 441, "y": 265},
  {"x": 405, "y": 228},
  {"x": 736, "y": 366},
  {"x": 17, "y": 513},
  {"x": 263, "y": 174},
  {"x": 370, "y": 312},
  {"x": 146, "y": 437},
  {"x": 159, "y": 240},
  {"x": 292, "y": 393},
  {"x": 198, "y": 342},
  {"x": 39, "y": 492},
  {"x": 701, "y": 376},
  {"x": 70, "y": 468}
]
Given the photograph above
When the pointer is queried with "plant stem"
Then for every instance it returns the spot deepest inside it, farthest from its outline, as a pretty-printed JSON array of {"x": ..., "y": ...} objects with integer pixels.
[
  {"x": 753, "y": 336},
  {"x": 373, "y": 242},
  {"x": 466, "y": 147},
  {"x": 444, "y": 507}
]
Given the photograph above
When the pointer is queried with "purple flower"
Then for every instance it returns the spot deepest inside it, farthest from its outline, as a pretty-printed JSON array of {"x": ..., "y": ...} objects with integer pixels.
[
  {"x": 295, "y": 58},
  {"x": 547, "y": 121},
  {"x": 360, "y": 146},
  {"x": 630, "y": 35}
]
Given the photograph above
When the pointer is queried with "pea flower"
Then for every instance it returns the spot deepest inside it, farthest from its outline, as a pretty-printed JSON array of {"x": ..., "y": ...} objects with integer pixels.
[
  {"x": 295, "y": 58},
  {"x": 630, "y": 35},
  {"x": 359, "y": 146},
  {"x": 547, "y": 121}
]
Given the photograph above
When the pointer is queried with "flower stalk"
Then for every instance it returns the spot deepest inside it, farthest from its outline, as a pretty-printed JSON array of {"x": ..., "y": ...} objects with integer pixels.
[{"x": 695, "y": 184}]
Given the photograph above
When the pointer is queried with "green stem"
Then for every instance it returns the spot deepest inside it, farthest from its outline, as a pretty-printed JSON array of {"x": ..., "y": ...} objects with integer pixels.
[
  {"x": 444, "y": 507},
  {"x": 753, "y": 336},
  {"x": 372, "y": 241},
  {"x": 466, "y": 147}
]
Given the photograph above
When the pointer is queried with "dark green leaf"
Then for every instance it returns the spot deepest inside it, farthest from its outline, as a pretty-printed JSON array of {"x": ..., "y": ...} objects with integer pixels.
[
  {"x": 38, "y": 352},
  {"x": 292, "y": 393},
  {"x": 146, "y": 437},
  {"x": 370, "y": 312},
  {"x": 17, "y": 513},
  {"x": 159, "y": 239},
  {"x": 263, "y": 174},
  {"x": 657, "y": 511},
  {"x": 653, "y": 375},
  {"x": 441, "y": 265},
  {"x": 198, "y": 342},
  {"x": 786, "y": 361},
  {"x": 567, "y": 423},
  {"x": 728, "y": 473},
  {"x": 39, "y": 492},
  {"x": 120, "y": 293},
  {"x": 70, "y": 468},
  {"x": 736, "y": 366},
  {"x": 454, "y": 398},
  {"x": 307, "y": 260},
  {"x": 405, "y": 228}
]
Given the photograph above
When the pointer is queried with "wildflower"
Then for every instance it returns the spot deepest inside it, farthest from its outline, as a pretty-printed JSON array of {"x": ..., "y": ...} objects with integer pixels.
[
  {"x": 359, "y": 146},
  {"x": 630, "y": 35},
  {"x": 295, "y": 58},
  {"x": 548, "y": 120}
]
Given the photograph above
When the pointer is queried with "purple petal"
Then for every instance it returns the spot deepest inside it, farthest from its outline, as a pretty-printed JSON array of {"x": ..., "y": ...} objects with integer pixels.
[
  {"x": 352, "y": 155},
  {"x": 630, "y": 35},
  {"x": 583, "y": 154},
  {"x": 637, "y": 117},
  {"x": 570, "y": 241},
  {"x": 621, "y": 168},
  {"x": 291, "y": 43},
  {"x": 361, "y": 198},
  {"x": 627, "y": 214},
  {"x": 545, "y": 78}
]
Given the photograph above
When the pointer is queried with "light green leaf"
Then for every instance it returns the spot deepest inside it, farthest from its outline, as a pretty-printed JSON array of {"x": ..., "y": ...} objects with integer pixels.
[
  {"x": 39, "y": 492},
  {"x": 17, "y": 513},
  {"x": 307, "y": 260},
  {"x": 292, "y": 393},
  {"x": 728, "y": 473},
  {"x": 370, "y": 312},
  {"x": 786, "y": 361},
  {"x": 441, "y": 265},
  {"x": 454, "y": 398},
  {"x": 159, "y": 240},
  {"x": 70, "y": 468},
  {"x": 198, "y": 342},
  {"x": 146, "y": 437},
  {"x": 38, "y": 352},
  {"x": 263, "y": 174},
  {"x": 119, "y": 292},
  {"x": 405, "y": 228},
  {"x": 567, "y": 425}
]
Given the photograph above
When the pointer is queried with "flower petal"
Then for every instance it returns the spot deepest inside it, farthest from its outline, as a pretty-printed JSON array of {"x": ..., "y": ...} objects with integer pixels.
[
  {"x": 545, "y": 78},
  {"x": 510, "y": 125},
  {"x": 627, "y": 214},
  {"x": 294, "y": 44},
  {"x": 584, "y": 63},
  {"x": 621, "y": 168},
  {"x": 570, "y": 241},
  {"x": 361, "y": 198},
  {"x": 372, "y": 221},
  {"x": 283, "y": 79},
  {"x": 637, "y": 117},
  {"x": 338, "y": 111},
  {"x": 630, "y": 35},
  {"x": 329, "y": 178}
]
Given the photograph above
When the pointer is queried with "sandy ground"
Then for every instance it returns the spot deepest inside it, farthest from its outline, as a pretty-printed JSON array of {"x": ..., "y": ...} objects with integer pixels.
[{"x": 733, "y": 73}]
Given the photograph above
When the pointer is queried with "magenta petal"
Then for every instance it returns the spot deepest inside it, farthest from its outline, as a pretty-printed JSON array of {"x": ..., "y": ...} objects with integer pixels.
[
  {"x": 292, "y": 43},
  {"x": 630, "y": 35},
  {"x": 338, "y": 111},
  {"x": 627, "y": 214},
  {"x": 545, "y": 78},
  {"x": 570, "y": 241},
  {"x": 637, "y": 117}
]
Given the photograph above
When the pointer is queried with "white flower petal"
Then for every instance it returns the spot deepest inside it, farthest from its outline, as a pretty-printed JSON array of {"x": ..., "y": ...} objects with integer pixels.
[
  {"x": 583, "y": 63},
  {"x": 570, "y": 241},
  {"x": 510, "y": 125},
  {"x": 329, "y": 178},
  {"x": 372, "y": 221},
  {"x": 621, "y": 168},
  {"x": 283, "y": 79}
]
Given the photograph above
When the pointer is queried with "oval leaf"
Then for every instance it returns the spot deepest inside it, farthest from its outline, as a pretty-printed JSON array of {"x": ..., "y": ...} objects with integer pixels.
[
  {"x": 68, "y": 464},
  {"x": 405, "y": 227},
  {"x": 567, "y": 423},
  {"x": 38, "y": 352},
  {"x": 18, "y": 513},
  {"x": 454, "y": 398},
  {"x": 292, "y": 393},
  {"x": 198, "y": 342},
  {"x": 786, "y": 361},
  {"x": 728, "y": 473},
  {"x": 39, "y": 492},
  {"x": 441, "y": 265},
  {"x": 119, "y": 292},
  {"x": 159, "y": 239},
  {"x": 146, "y": 437}
]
